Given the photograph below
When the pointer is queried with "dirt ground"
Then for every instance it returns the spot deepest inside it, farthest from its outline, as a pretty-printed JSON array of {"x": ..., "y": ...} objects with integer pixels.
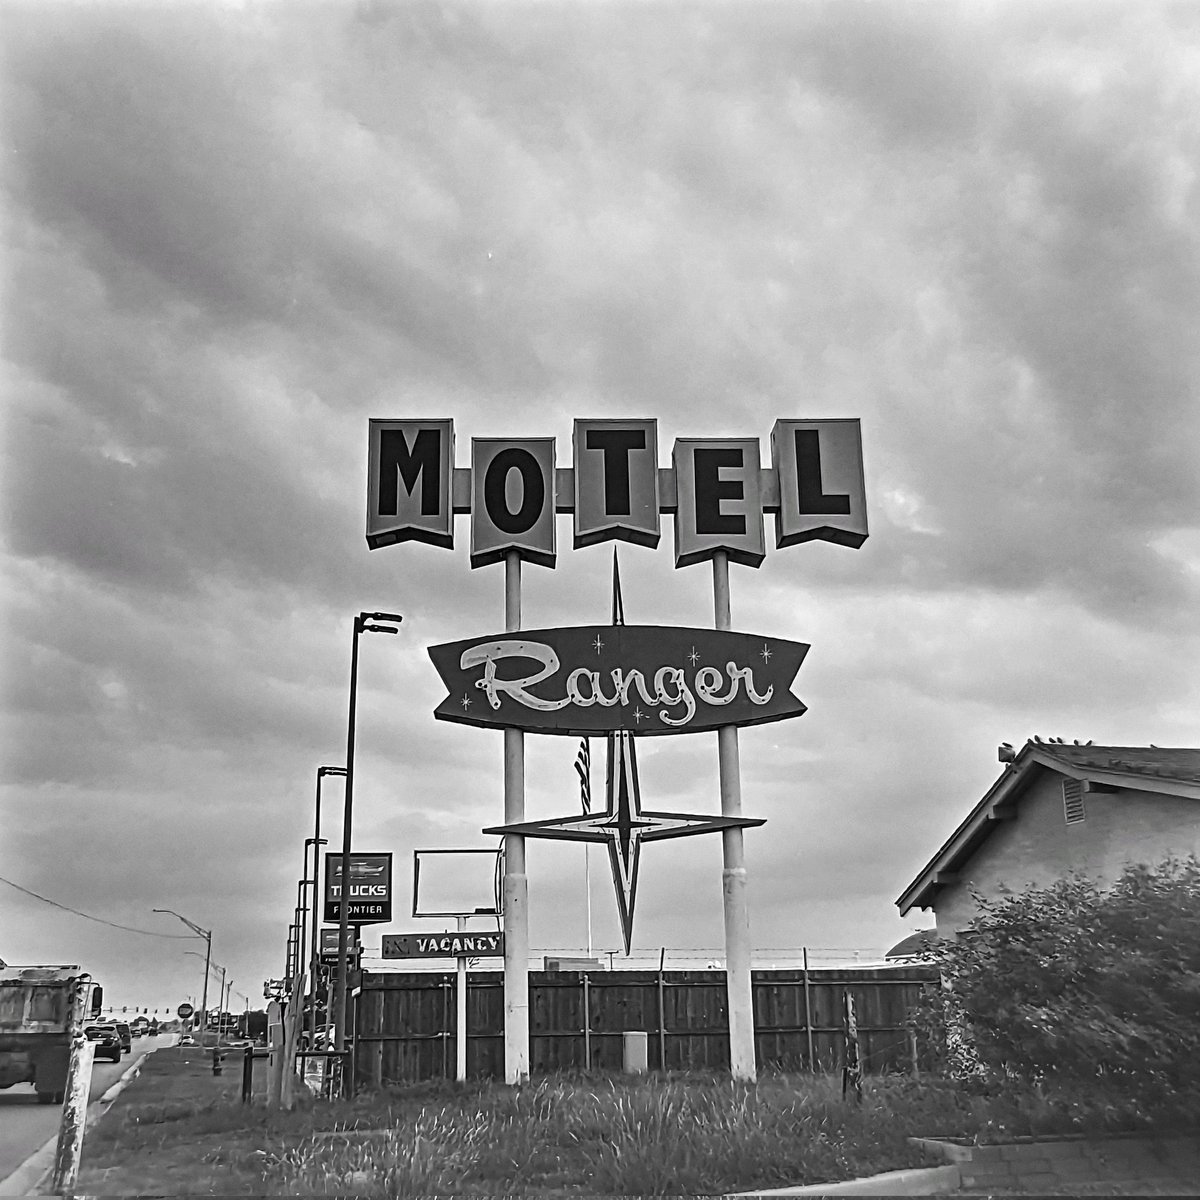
[{"x": 137, "y": 1146}]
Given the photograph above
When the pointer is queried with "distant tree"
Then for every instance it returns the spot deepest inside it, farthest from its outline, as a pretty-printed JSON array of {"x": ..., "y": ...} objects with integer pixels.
[{"x": 1073, "y": 987}]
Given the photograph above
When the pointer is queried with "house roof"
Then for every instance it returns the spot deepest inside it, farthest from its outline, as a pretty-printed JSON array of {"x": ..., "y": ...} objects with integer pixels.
[
  {"x": 1164, "y": 770},
  {"x": 916, "y": 945}
]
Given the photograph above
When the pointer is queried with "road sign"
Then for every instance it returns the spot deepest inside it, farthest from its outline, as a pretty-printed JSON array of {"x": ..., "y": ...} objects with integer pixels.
[
  {"x": 184, "y": 1010},
  {"x": 443, "y": 945},
  {"x": 370, "y": 888},
  {"x": 329, "y": 946}
]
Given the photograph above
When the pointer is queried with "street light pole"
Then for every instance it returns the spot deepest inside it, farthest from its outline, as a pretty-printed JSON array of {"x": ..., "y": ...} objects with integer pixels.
[
  {"x": 314, "y": 954},
  {"x": 221, "y": 1010},
  {"x": 316, "y": 843},
  {"x": 363, "y": 623},
  {"x": 302, "y": 910},
  {"x": 210, "y": 966},
  {"x": 206, "y": 934}
]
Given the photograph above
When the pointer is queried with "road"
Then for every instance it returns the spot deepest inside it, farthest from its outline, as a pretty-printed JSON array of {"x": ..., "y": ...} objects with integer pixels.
[{"x": 25, "y": 1125}]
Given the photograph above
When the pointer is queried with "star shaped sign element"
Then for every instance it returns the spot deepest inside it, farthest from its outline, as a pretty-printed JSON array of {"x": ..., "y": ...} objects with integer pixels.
[{"x": 624, "y": 826}]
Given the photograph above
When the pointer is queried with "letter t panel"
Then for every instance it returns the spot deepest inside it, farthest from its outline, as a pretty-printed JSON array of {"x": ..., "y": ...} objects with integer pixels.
[
  {"x": 616, "y": 481},
  {"x": 719, "y": 500}
]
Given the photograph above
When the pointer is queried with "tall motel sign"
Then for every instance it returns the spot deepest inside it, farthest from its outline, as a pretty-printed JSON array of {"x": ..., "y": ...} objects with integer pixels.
[{"x": 718, "y": 491}]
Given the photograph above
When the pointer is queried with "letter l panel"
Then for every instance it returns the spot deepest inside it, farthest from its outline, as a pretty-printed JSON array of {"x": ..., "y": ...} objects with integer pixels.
[
  {"x": 822, "y": 496},
  {"x": 616, "y": 481},
  {"x": 410, "y": 478},
  {"x": 719, "y": 501},
  {"x": 512, "y": 500}
]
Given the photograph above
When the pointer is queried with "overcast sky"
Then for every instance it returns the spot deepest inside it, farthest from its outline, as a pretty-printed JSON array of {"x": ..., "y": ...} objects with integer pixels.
[{"x": 239, "y": 231}]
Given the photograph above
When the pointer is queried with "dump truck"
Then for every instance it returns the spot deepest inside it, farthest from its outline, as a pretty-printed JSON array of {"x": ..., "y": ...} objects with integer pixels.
[{"x": 40, "y": 1008}]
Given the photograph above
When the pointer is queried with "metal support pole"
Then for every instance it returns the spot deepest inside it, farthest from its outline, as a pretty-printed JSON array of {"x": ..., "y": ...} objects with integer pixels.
[
  {"x": 736, "y": 905},
  {"x": 516, "y": 883},
  {"x": 460, "y": 996}
]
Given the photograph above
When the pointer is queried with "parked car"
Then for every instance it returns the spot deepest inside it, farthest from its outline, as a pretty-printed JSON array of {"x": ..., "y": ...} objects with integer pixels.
[
  {"x": 186, "y": 1040},
  {"x": 126, "y": 1036},
  {"x": 107, "y": 1039}
]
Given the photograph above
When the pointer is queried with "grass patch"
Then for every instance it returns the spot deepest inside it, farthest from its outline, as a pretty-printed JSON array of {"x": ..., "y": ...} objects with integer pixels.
[{"x": 561, "y": 1136}]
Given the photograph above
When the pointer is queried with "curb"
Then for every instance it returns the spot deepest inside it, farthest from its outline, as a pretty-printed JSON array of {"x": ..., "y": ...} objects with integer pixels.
[
  {"x": 33, "y": 1175},
  {"x": 916, "y": 1181}
]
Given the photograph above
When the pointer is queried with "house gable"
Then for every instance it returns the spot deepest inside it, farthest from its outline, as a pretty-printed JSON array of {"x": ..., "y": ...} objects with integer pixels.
[{"x": 1121, "y": 805}]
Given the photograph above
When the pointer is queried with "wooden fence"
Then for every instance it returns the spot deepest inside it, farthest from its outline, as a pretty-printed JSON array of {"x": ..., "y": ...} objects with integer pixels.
[{"x": 405, "y": 1022}]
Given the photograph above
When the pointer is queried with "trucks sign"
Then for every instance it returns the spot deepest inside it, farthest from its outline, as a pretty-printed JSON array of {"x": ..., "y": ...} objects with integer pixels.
[
  {"x": 370, "y": 891},
  {"x": 597, "y": 679}
]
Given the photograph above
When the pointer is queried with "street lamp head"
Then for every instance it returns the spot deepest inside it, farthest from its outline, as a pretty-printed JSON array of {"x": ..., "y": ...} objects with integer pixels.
[
  {"x": 330, "y": 771},
  {"x": 379, "y": 629},
  {"x": 395, "y": 618}
]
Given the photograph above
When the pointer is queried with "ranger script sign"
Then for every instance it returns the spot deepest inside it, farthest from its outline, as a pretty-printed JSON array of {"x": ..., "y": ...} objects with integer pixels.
[{"x": 598, "y": 679}]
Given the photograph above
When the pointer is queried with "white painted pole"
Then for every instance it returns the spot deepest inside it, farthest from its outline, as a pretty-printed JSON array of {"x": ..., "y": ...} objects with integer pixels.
[
  {"x": 733, "y": 877},
  {"x": 587, "y": 887},
  {"x": 69, "y": 1149},
  {"x": 516, "y": 883},
  {"x": 460, "y": 1007}
]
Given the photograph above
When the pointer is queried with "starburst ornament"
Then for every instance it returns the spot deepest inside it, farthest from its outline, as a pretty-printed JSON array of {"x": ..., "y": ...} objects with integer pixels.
[{"x": 624, "y": 825}]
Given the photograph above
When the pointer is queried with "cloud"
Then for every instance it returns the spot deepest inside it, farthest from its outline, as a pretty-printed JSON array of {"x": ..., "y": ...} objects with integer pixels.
[{"x": 237, "y": 234}]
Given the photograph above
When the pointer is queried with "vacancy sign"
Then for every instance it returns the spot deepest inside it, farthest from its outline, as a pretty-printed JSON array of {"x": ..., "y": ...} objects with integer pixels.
[{"x": 443, "y": 945}]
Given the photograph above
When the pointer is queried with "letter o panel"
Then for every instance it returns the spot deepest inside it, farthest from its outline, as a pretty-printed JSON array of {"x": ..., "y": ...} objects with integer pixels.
[
  {"x": 822, "y": 496},
  {"x": 512, "y": 500},
  {"x": 410, "y": 476},
  {"x": 719, "y": 500}
]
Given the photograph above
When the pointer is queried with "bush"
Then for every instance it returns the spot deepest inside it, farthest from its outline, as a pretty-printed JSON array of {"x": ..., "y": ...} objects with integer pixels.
[{"x": 1082, "y": 992}]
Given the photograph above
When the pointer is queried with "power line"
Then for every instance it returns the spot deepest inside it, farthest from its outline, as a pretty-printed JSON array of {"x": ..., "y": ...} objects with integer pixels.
[{"x": 89, "y": 917}]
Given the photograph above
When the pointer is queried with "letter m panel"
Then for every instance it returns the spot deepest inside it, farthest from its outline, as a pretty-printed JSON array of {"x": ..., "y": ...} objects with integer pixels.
[{"x": 410, "y": 480}]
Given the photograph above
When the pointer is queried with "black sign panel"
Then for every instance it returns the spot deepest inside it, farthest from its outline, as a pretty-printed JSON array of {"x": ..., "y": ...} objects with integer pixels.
[
  {"x": 329, "y": 945},
  {"x": 597, "y": 679},
  {"x": 443, "y": 945},
  {"x": 370, "y": 888}
]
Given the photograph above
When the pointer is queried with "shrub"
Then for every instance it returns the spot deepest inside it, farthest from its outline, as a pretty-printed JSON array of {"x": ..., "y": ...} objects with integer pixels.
[{"x": 1083, "y": 991}]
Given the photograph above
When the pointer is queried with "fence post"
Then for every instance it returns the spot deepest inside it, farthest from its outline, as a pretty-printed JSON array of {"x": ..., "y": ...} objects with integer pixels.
[
  {"x": 587, "y": 1022},
  {"x": 808, "y": 1026},
  {"x": 247, "y": 1074},
  {"x": 662, "y": 1012},
  {"x": 852, "y": 1071}
]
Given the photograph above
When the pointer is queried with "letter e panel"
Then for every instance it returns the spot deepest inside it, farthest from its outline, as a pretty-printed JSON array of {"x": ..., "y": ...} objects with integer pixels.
[{"x": 719, "y": 500}]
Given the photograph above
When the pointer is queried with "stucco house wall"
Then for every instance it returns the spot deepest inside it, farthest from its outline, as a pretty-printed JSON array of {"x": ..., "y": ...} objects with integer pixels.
[{"x": 1037, "y": 846}]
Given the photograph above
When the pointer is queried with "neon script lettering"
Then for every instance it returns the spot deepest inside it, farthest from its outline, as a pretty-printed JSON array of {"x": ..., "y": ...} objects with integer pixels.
[{"x": 672, "y": 690}]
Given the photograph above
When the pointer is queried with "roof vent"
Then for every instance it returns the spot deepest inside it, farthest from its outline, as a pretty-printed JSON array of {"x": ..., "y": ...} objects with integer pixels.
[{"x": 1073, "y": 810}]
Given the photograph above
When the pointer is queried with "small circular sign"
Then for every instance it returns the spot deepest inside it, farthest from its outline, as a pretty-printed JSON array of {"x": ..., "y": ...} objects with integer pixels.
[{"x": 184, "y": 1010}]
